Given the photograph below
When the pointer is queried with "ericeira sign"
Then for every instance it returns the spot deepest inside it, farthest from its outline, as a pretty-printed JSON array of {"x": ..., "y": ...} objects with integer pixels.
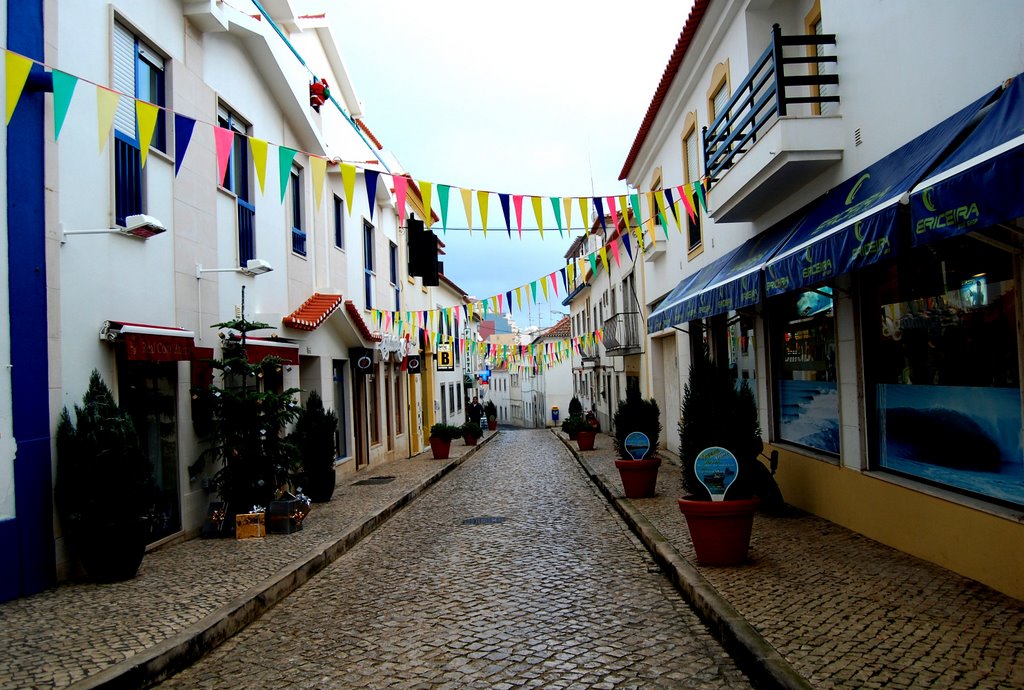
[
  {"x": 390, "y": 344},
  {"x": 637, "y": 445},
  {"x": 716, "y": 468}
]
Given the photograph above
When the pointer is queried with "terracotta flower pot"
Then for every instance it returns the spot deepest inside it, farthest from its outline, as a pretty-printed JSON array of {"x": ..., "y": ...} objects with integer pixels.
[
  {"x": 720, "y": 530},
  {"x": 440, "y": 447},
  {"x": 639, "y": 477},
  {"x": 585, "y": 440},
  {"x": 492, "y": 424},
  {"x": 470, "y": 440}
]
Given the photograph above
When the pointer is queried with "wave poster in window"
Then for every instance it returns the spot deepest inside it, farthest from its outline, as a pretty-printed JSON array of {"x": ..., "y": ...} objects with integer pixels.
[{"x": 968, "y": 438}]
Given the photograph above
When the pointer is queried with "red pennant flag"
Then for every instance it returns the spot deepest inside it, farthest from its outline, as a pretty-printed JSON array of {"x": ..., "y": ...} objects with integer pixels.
[
  {"x": 401, "y": 187},
  {"x": 517, "y": 201}
]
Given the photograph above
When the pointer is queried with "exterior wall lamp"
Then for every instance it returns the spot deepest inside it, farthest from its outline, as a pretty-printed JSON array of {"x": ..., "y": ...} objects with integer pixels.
[
  {"x": 139, "y": 226},
  {"x": 253, "y": 267}
]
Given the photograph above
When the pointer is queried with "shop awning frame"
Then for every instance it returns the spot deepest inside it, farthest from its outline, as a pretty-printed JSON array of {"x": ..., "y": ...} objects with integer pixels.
[{"x": 145, "y": 342}]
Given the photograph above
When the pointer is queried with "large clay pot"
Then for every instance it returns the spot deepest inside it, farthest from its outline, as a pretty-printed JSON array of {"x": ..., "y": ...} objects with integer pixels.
[
  {"x": 111, "y": 553},
  {"x": 639, "y": 477},
  {"x": 720, "y": 530},
  {"x": 440, "y": 447},
  {"x": 470, "y": 440},
  {"x": 492, "y": 424},
  {"x": 320, "y": 486},
  {"x": 585, "y": 440}
]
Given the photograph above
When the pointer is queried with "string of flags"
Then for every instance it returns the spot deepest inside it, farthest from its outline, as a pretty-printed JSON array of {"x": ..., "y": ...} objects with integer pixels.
[{"x": 636, "y": 212}]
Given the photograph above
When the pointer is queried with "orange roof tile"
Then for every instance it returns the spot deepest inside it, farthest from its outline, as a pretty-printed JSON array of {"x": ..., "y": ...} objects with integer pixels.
[
  {"x": 562, "y": 329},
  {"x": 357, "y": 319},
  {"x": 374, "y": 139},
  {"x": 313, "y": 312}
]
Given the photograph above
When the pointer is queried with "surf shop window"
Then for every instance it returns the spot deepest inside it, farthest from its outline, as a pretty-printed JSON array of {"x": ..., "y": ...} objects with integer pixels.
[
  {"x": 943, "y": 367},
  {"x": 729, "y": 340},
  {"x": 803, "y": 350}
]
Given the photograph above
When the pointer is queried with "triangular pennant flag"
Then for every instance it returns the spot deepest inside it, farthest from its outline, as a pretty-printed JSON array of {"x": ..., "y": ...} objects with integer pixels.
[
  {"x": 484, "y": 305},
  {"x": 572, "y": 272},
  {"x": 508, "y": 300},
  {"x": 467, "y": 204},
  {"x": 499, "y": 298},
  {"x": 224, "y": 138},
  {"x": 63, "y": 89},
  {"x": 544, "y": 288},
  {"x": 614, "y": 211},
  {"x": 517, "y": 201},
  {"x": 469, "y": 311},
  {"x": 348, "y": 183},
  {"x": 626, "y": 243},
  {"x": 318, "y": 170},
  {"x": 285, "y": 158},
  {"x": 533, "y": 290},
  {"x": 371, "y": 177},
  {"x": 672, "y": 207},
  {"x": 554, "y": 282},
  {"x": 259, "y": 160},
  {"x": 615, "y": 250},
  {"x": 481, "y": 200},
  {"x": 538, "y": 213},
  {"x": 593, "y": 263},
  {"x": 183, "y": 128},
  {"x": 567, "y": 205},
  {"x": 687, "y": 202},
  {"x": 401, "y": 187},
  {"x": 599, "y": 207},
  {"x": 442, "y": 195},
  {"x": 698, "y": 191},
  {"x": 106, "y": 107},
  {"x": 585, "y": 212},
  {"x": 503, "y": 198},
  {"x": 604, "y": 258},
  {"x": 145, "y": 114},
  {"x": 634, "y": 203},
  {"x": 17, "y": 69},
  {"x": 558, "y": 214},
  {"x": 426, "y": 194},
  {"x": 519, "y": 298},
  {"x": 659, "y": 201},
  {"x": 565, "y": 280}
]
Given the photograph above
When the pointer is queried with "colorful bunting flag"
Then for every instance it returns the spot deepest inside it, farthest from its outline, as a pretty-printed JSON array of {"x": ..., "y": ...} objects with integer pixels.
[
  {"x": 442, "y": 195},
  {"x": 425, "y": 194},
  {"x": 538, "y": 213},
  {"x": 565, "y": 280},
  {"x": 318, "y": 170},
  {"x": 585, "y": 213},
  {"x": 558, "y": 214},
  {"x": 687, "y": 200},
  {"x": 614, "y": 244},
  {"x": 672, "y": 206},
  {"x": 544, "y": 288},
  {"x": 183, "y": 128},
  {"x": 533, "y": 290},
  {"x": 223, "y": 139},
  {"x": 106, "y": 107},
  {"x": 145, "y": 119},
  {"x": 567, "y": 205},
  {"x": 401, "y": 189},
  {"x": 63, "y": 89},
  {"x": 517, "y": 201},
  {"x": 467, "y": 204},
  {"x": 16, "y": 69},
  {"x": 481, "y": 198},
  {"x": 285, "y": 158},
  {"x": 370, "y": 177},
  {"x": 614, "y": 212},
  {"x": 625, "y": 243},
  {"x": 604, "y": 258},
  {"x": 599, "y": 207},
  {"x": 519, "y": 298},
  {"x": 348, "y": 184},
  {"x": 503, "y": 198},
  {"x": 554, "y": 282}
]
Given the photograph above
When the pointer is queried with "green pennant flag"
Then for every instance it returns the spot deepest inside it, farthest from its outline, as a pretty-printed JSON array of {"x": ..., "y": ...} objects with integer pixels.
[
  {"x": 593, "y": 263},
  {"x": 285, "y": 158},
  {"x": 442, "y": 194},
  {"x": 533, "y": 289},
  {"x": 63, "y": 89},
  {"x": 558, "y": 214},
  {"x": 698, "y": 188}
]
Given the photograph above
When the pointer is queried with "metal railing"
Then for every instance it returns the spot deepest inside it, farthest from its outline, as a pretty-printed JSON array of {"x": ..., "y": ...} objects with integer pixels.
[
  {"x": 762, "y": 97},
  {"x": 246, "y": 232},
  {"x": 622, "y": 333}
]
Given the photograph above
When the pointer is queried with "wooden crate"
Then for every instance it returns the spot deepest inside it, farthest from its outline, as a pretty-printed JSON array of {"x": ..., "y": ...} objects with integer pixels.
[{"x": 249, "y": 526}]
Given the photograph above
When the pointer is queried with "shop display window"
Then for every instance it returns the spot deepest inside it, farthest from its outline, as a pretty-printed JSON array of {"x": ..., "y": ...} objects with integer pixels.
[
  {"x": 804, "y": 366},
  {"x": 943, "y": 365}
]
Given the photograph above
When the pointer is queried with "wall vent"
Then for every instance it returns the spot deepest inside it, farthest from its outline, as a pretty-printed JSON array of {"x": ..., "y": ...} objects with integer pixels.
[{"x": 857, "y": 139}]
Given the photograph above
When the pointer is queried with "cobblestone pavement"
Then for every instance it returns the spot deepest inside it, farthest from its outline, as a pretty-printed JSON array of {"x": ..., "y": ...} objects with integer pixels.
[
  {"x": 846, "y": 611},
  {"x": 558, "y": 595},
  {"x": 73, "y": 632}
]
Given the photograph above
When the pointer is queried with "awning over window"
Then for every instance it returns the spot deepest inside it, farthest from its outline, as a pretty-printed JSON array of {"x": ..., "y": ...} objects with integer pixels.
[
  {"x": 681, "y": 304},
  {"x": 146, "y": 342},
  {"x": 978, "y": 184},
  {"x": 854, "y": 224},
  {"x": 313, "y": 312},
  {"x": 258, "y": 348}
]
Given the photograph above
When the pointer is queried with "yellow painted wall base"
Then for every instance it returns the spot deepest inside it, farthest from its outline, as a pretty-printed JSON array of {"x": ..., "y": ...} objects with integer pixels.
[{"x": 971, "y": 542}]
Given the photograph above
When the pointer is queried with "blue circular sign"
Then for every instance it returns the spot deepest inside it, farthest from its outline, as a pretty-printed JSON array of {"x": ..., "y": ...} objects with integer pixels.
[
  {"x": 637, "y": 445},
  {"x": 716, "y": 468}
]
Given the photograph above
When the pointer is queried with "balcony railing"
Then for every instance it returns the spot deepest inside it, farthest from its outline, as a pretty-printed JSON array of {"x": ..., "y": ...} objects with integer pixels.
[
  {"x": 762, "y": 97},
  {"x": 622, "y": 334}
]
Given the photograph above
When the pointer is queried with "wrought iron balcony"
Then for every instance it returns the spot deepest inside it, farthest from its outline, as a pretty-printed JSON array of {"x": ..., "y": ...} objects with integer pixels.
[
  {"x": 623, "y": 334},
  {"x": 770, "y": 138}
]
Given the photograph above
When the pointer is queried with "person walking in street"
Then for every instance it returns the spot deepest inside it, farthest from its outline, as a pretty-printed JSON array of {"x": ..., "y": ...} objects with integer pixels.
[{"x": 475, "y": 412}]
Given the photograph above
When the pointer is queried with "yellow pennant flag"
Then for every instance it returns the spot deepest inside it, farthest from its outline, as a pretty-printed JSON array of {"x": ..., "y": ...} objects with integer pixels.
[
  {"x": 538, "y": 214},
  {"x": 604, "y": 258},
  {"x": 640, "y": 239},
  {"x": 519, "y": 297},
  {"x": 688, "y": 191},
  {"x": 469, "y": 311},
  {"x": 17, "y": 69},
  {"x": 106, "y": 107},
  {"x": 259, "y": 159},
  {"x": 571, "y": 267},
  {"x": 145, "y": 114},
  {"x": 425, "y": 192},
  {"x": 318, "y": 168},
  {"x": 651, "y": 211},
  {"x": 624, "y": 209},
  {"x": 584, "y": 211},
  {"x": 544, "y": 287},
  {"x": 481, "y": 200},
  {"x": 467, "y": 203},
  {"x": 348, "y": 183},
  {"x": 567, "y": 205}
]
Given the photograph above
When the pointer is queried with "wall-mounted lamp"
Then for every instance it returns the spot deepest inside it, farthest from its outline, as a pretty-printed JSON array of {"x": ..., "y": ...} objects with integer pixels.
[
  {"x": 139, "y": 226},
  {"x": 253, "y": 267}
]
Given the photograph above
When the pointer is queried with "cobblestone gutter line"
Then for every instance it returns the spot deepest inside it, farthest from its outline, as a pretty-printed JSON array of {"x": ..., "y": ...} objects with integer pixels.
[
  {"x": 759, "y": 659},
  {"x": 170, "y": 656}
]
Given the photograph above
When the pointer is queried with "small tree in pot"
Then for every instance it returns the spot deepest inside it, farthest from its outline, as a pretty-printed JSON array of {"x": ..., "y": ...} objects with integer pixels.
[
  {"x": 573, "y": 425},
  {"x": 634, "y": 414},
  {"x": 314, "y": 439},
  {"x": 491, "y": 412},
  {"x": 471, "y": 432},
  {"x": 441, "y": 437},
  {"x": 104, "y": 491}
]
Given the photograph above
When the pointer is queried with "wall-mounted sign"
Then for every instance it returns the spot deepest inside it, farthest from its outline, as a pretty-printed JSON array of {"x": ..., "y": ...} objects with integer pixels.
[
  {"x": 445, "y": 360},
  {"x": 637, "y": 445},
  {"x": 716, "y": 468}
]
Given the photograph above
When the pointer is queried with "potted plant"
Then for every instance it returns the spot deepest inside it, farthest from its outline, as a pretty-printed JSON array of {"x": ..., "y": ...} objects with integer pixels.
[
  {"x": 441, "y": 437},
  {"x": 491, "y": 412},
  {"x": 587, "y": 434},
  {"x": 573, "y": 425},
  {"x": 104, "y": 491},
  {"x": 717, "y": 413},
  {"x": 634, "y": 414},
  {"x": 471, "y": 431},
  {"x": 575, "y": 407},
  {"x": 314, "y": 440}
]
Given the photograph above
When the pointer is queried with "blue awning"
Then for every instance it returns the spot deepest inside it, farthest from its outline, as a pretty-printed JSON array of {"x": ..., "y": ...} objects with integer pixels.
[
  {"x": 978, "y": 184},
  {"x": 682, "y": 303},
  {"x": 854, "y": 224}
]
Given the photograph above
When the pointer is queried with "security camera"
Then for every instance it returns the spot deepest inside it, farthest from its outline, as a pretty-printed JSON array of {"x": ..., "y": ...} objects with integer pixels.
[{"x": 143, "y": 226}]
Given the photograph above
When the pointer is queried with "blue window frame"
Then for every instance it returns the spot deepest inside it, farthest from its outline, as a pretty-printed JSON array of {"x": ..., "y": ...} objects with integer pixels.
[
  {"x": 298, "y": 234},
  {"x": 339, "y": 222},
  {"x": 393, "y": 266},
  {"x": 246, "y": 232},
  {"x": 236, "y": 177},
  {"x": 127, "y": 178},
  {"x": 368, "y": 264}
]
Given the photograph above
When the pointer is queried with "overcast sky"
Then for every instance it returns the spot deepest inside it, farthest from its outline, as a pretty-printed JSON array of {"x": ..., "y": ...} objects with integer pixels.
[{"x": 531, "y": 97}]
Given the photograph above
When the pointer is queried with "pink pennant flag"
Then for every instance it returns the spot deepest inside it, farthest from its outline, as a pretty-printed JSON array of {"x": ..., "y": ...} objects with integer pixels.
[
  {"x": 615, "y": 250},
  {"x": 401, "y": 187},
  {"x": 500, "y": 300},
  {"x": 517, "y": 201},
  {"x": 224, "y": 138},
  {"x": 554, "y": 283},
  {"x": 687, "y": 193},
  {"x": 615, "y": 212}
]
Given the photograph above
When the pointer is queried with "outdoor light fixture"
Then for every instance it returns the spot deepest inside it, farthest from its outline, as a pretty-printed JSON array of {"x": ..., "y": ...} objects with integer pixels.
[
  {"x": 253, "y": 267},
  {"x": 139, "y": 226}
]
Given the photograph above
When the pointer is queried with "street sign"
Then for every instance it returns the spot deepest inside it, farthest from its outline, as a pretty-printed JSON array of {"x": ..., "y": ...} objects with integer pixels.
[
  {"x": 637, "y": 444},
  {"x": 716, "y": 468},
  {"x": 445, "y": 360}
]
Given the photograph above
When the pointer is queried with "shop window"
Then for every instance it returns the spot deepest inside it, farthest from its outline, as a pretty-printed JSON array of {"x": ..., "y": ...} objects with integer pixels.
[
  {"x": 804, "y": 364},
  {"x": 298, "y": 230},
  {"x": 943, "y": 368}
]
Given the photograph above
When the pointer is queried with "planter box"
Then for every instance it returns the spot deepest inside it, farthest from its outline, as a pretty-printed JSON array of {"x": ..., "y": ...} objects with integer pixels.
[{"x": 249, "y": 526}]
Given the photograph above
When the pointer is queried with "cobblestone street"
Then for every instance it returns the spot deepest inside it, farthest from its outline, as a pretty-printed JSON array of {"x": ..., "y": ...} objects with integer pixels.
[{"x": 511, "y": 572}]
